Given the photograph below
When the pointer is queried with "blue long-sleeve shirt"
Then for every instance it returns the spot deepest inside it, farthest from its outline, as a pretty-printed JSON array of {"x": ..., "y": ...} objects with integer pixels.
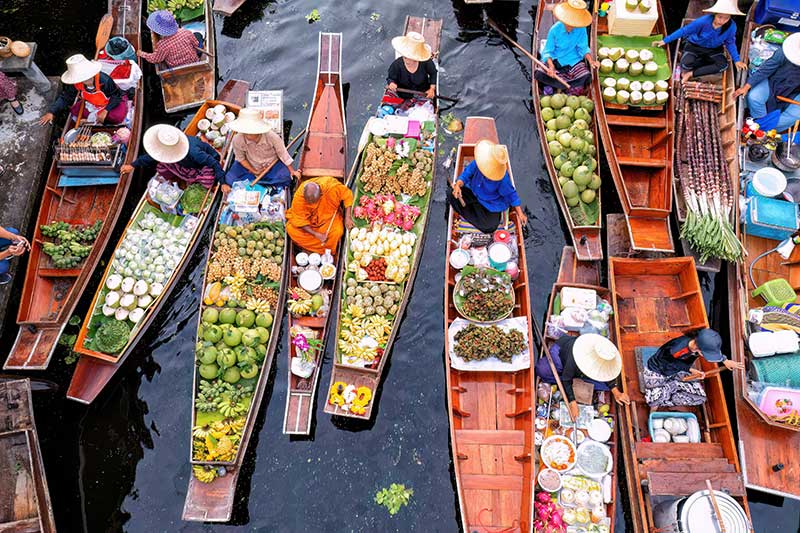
[
  {"x": 702, "y": 33},
  {"x": 566, "y": 47},
  {"x": 496, "y": 196},
  {"x": 783, "y": 76},
  {"x": 201, "y": 155}
]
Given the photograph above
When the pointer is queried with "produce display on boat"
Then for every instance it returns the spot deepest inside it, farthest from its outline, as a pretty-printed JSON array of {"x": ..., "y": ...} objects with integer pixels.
[
  {"x": 184, "y": 10},
  {"x": 635, "y": 74},
  {"x": 70, "y": 244}
]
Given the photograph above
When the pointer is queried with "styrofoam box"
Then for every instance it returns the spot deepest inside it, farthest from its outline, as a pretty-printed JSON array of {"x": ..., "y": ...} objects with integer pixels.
[
  {"x": 575, "y": 297},
  {"x": 766, "y": 343},
  {"x": 624, "y": 22}
]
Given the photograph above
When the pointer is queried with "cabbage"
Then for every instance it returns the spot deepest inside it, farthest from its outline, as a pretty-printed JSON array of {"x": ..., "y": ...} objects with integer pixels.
[
  {"x": 112, "y": 336},
  {"x": 192, "y": 200}
]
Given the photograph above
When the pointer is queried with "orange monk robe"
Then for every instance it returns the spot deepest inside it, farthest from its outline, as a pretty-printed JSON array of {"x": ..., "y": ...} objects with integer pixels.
[{"x": 318, "y": 216}]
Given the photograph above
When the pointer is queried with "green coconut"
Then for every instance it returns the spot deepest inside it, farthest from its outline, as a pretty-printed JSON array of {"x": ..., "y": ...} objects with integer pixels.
[
  {"x": 650, "y": 68},
  {"x": 609, "y": 94},
  {"x": 662, "y": 97},
  {"x": 662, "y": 85},
  {"x": 615, "y": 53},
  {"x": 649, "y": 98},
  {"x": 570, "y": 189},
  {"x": 623, "y": 97},
  {"x": 558, "y": 100},
  {"x": 636, "y": 68},
  {"x": 623, "y": 84},
  {"x": 621, "y": 66},
  {"x": 606, "y": 66},
  {"x": 548, "y": 113},
  {"x": 594, "y": 184},
  {"x": 636, "y": 97},
  {"x": 588, "y": 196},
  {"x": 632, "y": 55},
  {"x": 603, "y": 52},
  {"x": 555, "y": 148},
  {"x": 645, "y": 6},
  {"x": 610, "y": 82}
]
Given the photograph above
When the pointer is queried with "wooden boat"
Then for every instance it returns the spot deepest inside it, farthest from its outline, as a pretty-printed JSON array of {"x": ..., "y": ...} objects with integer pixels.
[
  {"x": 638, "y": 145},
  {"x": 324, "y": 154},
  {"x": 358, "y": 375},
  {"x": 227, "y": 7},
  {"x": 728, "y": 131},
  {"x": 212, "y": 500},
  {"x": 189, "y": 86},
  {"x": 585, "y": 237},
  {"x": 94, "y": 368},
  {"x": 23, "y": 484},
  {"x": 491, "y": 412},
  {"x": 586, "y": 275},
  {"x": 50, "y": 294},
  {"x": 768, "y": 446},
  {"x": 657, "y": 300}
]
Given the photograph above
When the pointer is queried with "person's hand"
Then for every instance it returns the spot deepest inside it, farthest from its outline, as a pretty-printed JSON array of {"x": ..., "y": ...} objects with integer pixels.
[
  {"x": 657, "y": 43},
  {"x": 101, "y": 116},
  {"x": 225, "y": 188},
  {"x": 573, "y": 410},
  {"x": 295, "y": 174},
  {"x": 126, "y": 169},
  {"x": 741, "y": 65},
  {"x": 621, "y": 397},
  {"x": 551, "y": 71},
  {"x": 430, "y": 93},
  {"x": 457, "y": 190},
  {"x": 139, "y": 53},
  {"x": 694, "y": 375},
  {"x": 392, "y": 86},
  {"x": 733, "y": 365},
  {"x": 523, "y": 218},
  {"x": 741, "y": 91},
  {"x": 16, "y": 249},
  {"x": 322, "y": 237},
  {"x": 594, "y": 63},
  {"x": 24, "y": 242},
  {"x": 47, "y": 118}
]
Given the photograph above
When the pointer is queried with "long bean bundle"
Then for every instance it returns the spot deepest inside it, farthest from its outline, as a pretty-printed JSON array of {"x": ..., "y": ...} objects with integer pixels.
[{"x": 706, "y": 182}]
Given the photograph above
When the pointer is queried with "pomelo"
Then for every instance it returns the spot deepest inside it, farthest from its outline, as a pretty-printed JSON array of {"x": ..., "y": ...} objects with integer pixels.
[
  {"x": 209, "y": 371},
  {"x": 227, "y": 316}
]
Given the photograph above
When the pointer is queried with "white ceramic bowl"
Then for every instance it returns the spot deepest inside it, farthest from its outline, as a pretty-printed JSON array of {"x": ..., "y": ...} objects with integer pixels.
[
  {"x": 459, "y": 258},
  {"x": 314, "y": 259},
  {"x": 301, "y": 259},
  {"x": 769, "y": 181},
  {"x": 310, "y": 280}
]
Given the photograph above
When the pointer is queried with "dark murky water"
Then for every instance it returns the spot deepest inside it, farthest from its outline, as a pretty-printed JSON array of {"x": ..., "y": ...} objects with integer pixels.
[{"x": 122, "y": 464}]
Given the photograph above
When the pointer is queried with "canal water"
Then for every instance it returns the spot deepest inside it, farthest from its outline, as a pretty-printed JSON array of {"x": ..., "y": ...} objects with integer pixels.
[{"x": 122, "y": 463}]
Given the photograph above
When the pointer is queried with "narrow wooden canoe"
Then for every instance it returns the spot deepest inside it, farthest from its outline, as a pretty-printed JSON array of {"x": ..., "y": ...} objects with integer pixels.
[
  {"x": 491, "y": 412},
  {"x": 638, "y": 145},
  {"x": 728, "y": 130},
  {"x": 324, "y": 154},
  {"x": 764, "y": 442},
  {"x": 213, "y": 502},
  {"x": 24, "y": 495},
  {"x": 95, "y": 369},
  {"x": 656, "y": 300},
  {"x": 371, "y": 377},
  {"x": 50, "y": 294},
  {"x": 189, "y": 86},
  {"x": 584, "y": 274},
  {"x": 585, "y": 238}
]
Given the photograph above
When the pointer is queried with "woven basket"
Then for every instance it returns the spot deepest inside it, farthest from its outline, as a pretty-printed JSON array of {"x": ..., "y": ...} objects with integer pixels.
[{"x": 5, "y": 47}]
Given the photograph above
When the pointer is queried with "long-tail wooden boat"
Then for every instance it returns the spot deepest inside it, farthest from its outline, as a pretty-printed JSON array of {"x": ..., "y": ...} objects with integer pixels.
[
  {"x": 50, "y": 294},
  {"x": 726, "y": 83},
  {"x": 491, "y": 411},
  {"x": 24, "y": 495},
  {"x": 769, "y": 444},
  {"x": 324, "y": 154},
  {"x": 95, "y": 368},
  {"x": 219, "y": 441},
  {"x": 638, "y": 146},
  {"x": 657, "y": 300},
  {"x": 585, "y": 235},
  {"x": 583, "y": 275},
  {"x": 362, "y": 375},
  {"x": 189, "y": 86}
]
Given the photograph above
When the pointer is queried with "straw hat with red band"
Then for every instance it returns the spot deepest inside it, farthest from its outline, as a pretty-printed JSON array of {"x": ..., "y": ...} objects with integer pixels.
[
  {"x": 412, "y": 46},
  {"x": 165, "y": 143},
  {"x": 573, "y": 13},
  {"x": 492, "y": 159}
]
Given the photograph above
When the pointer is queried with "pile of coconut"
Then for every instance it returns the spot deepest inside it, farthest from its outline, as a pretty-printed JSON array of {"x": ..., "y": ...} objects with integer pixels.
[{"x": 214, "y": 128}]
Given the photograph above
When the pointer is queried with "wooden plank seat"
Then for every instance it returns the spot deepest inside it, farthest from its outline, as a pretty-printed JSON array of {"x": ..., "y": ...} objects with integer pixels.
[
  {"x": 506, "y": 437},
  {"x": 490, "y": 482},
  {"x": 636, "y": 121},
  {"x": 641, "y": 162},
  {"x": 688, "y": 465},
  {"x": 683, "y": 483},
  {"x": 680, "y": 451}
]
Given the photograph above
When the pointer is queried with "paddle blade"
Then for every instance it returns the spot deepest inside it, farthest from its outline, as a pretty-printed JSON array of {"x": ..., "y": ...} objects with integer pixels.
[{"x": 103, "y": 31}]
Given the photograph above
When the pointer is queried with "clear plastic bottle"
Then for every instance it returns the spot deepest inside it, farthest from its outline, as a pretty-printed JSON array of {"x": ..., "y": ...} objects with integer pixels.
[{"x": 327, "y": 257}]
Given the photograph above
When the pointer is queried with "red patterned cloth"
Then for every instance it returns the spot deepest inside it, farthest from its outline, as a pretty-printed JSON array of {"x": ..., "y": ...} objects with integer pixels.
[
  {"x": 204, "y": 176},
  {"x": 175, "y": 50},
  {"x": 8, "y": 88}
]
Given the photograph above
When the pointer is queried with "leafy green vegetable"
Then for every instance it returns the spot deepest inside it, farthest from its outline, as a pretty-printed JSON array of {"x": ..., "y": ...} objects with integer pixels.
[
  {"x": 192, "y": 199},
  {"x": 112, "y": 336},
  {"x": 585, "y": 214},
  {"x": 394, "y": 497}
]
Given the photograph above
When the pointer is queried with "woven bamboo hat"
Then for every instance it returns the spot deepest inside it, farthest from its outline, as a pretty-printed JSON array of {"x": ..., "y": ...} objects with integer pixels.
[
  {"x": 791, "y": 48},
  {"x": 573, "y": 13},
  {"x": 79, "y": 69},
  {"x": 597, "y": 357},
  {"x": 492, "y": 159},
  {"x": 165, "y": 143},
  {"x": 725, "y": 7},
  {"x": 412, "y": 46},
  {"x": 249, "y": 121}
]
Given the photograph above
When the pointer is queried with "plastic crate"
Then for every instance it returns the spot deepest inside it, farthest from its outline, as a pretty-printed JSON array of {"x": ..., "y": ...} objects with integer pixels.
[
  {"x": 668, "y": 414},
  {"x": 783, "y": 13},
  {"x": 771, "y": 218},
  {"x": 631, "y": 23}
]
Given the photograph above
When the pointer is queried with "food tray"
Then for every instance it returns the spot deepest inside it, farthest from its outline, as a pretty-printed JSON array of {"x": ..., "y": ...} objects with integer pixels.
[
  {"x": 518, "y": 362},
  {"x": 458, "y": 300}
]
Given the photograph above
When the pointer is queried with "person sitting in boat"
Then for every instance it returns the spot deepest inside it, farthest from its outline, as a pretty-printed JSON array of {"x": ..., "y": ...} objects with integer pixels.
[
  {"x": 414, "y": 70},
  {"x": 566, "y": 51},
  {"x": 707, "y": 38},
  {"x": 8, "y": 92},
  {"x": 777, "y": 76},
  {"x": 179, "y": 157},
  {"x": 101, "y": 99},
  {"x": 12, "y": 244},
  {"x": 176, "y": 46},
  {"x": 314, "y": 221},
  {"x": 670, "y": 379},
  {"x": 484, "y": 191},
  {"x": 259, "y": 153}
]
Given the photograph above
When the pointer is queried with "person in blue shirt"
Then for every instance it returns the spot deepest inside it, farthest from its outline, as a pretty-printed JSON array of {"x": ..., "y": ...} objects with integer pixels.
[
  {"x": 566, "y": 51},
  {"x": 707, "y": 38},
  {"x": 484, "y": 189},
  {"x": 777, "y": 76}
]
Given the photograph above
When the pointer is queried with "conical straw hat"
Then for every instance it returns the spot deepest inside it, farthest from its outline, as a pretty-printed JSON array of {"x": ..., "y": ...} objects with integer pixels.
[
  {"x": 573, "y": 13},
  {"x": 791, "y": 48},
  {"x": 249, "y": 121},
  {"x": 79, "y": 69},
  {"x": 492, "y": 159},
  {"x": 597, "y": 357},
  {"x": 725, "y": 7},
  {"x": 165, "y": 143},
  {"x": 412, "y": 46}
]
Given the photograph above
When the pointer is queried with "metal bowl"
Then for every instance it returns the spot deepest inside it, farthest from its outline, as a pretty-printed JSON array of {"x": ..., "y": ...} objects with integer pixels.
[{"x": 788, "y": 162}]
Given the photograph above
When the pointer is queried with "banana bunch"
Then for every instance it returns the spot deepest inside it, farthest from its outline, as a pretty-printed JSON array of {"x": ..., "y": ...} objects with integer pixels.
[
  {"x": 356, "y": 311},
  {"x": 224, "y": 450},
  {"x": 300, "y": 307},
  {"x": 204, "y": 474},
  {"x": 378, "y": 327},
  {"x": 230, "y": 407},
  {"x": 200, "y": 432},
  {"x": 257, "y": 305},
  {"x": 236, "y": 283},
  {"x": 354, "y": 351},
  {"x": 236, "y": 424}
]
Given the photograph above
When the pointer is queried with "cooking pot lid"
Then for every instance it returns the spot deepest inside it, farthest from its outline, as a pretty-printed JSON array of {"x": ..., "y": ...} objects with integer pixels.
[{"x": 697, "y": 515}]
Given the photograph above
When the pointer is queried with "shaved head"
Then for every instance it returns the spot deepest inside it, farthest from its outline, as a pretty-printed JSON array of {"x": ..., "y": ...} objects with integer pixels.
[{"x": 311, "y": 192}]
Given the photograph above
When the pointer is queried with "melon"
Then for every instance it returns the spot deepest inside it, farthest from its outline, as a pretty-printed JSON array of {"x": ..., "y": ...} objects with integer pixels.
[
  {"x": 545, "y": 101},
  {"x": 567, "y": 169},
  {"x": 563, "y": 121},
  {"x": 595, "y": 182},
  {"x": 565, "y": 138},
  {"x": 558, "y": 100},
  {"x": 551, "y": 125},
  {"x": 555, "y": 148},
  {"x": 582, "y": 175},
  {"x": 548, "y": 113},
  {"x": 588, "y": 196}
]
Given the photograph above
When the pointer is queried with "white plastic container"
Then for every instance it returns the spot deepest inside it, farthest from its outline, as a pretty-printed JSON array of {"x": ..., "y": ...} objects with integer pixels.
[
  {"x": 769, "y": 181},
  {"x": 766, "y": 343},
  {"x": 624, "y": 22},
  {"x": 575, "y": 297}
]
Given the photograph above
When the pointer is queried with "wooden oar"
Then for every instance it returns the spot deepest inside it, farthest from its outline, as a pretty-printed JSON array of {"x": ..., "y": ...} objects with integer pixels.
[
  {"x": 535, "y": 61},
  {"x": 715, "y": 506},
  {"x": 291, "y": 142},
  {"x": 421, "y": 93},
  {"x": 103, "y": 31},
  {"x": 543, "y": 350}
]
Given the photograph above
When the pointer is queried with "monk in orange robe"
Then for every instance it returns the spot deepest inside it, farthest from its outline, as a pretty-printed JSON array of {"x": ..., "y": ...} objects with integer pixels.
[{"x": 314, "y": 222}]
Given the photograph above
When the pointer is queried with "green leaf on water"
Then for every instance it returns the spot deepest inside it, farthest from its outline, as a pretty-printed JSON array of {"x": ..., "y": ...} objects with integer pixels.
[
  {"x": 313, "y": 16},
  {"x": 394, "y": 497},
  {"x": 67, "y": 340},
  {"x": 375, "y": 16},
  {"x": 74, "y": 320}
]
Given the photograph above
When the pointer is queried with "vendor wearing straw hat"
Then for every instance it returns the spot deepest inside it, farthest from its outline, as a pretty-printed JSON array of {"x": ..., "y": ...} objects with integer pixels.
[
  {"x": 707, "y": 38},
  {"x": 589, "y": 357},
  {"x": 484, "y": 191},
  {"x": 777, "y": 76},
  {"x": 414, "y": 69},
  {"x": 259, "y": 152},
  {"x": 176, "y": 46},
  {"x": 103, "y": 101},
  {"x": 670, "y": 378},
  {"x": 178, "y": 157},
  {"x": 314, "y": 222},
  {"x": 566, "y": 50}
]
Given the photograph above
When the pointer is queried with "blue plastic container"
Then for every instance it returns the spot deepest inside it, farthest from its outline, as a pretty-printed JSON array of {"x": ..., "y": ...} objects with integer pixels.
[
  {"x": 785, "y": 14},
  {"x": 667, "y": 414},
  {"x": 771, "y": 218}
]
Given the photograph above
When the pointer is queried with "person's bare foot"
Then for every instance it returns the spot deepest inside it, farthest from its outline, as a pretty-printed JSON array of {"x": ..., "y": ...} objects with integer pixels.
[{"x": 686, "y": 76}]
